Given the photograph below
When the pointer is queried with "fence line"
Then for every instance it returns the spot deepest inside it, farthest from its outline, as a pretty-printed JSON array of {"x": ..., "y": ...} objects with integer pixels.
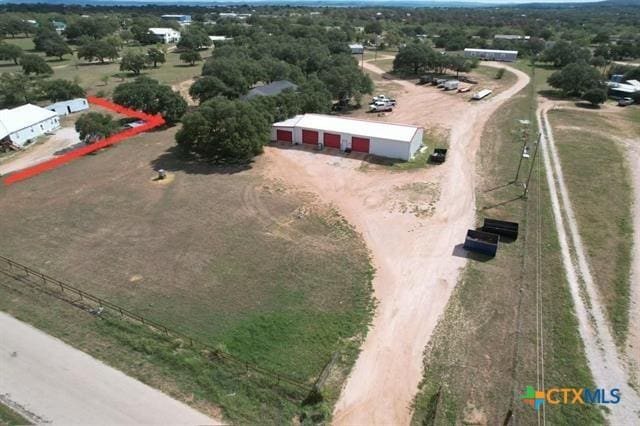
[{"x": 125, "y": 313}]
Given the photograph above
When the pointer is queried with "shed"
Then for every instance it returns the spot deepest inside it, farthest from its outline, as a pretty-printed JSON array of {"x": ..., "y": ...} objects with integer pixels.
[
  {"x": 372, "y": 137},
  {"x": 69, "y": 107},
  {"x": 20, "y": 125},
  {"x": 271, "y": 89},
  {"x": 356, "y": 49},
  {"x": 492, "y": 54}
]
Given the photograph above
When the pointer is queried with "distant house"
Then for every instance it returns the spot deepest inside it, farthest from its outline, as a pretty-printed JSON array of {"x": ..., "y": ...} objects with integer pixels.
[
  {"x": 233, "y": 15},
  {"x": 219, "y": 38},
  {"x": 21, "y": 125},
  {"x": 59, "y": 26},
  {"x": 182, "y": 19},
  {"x": 270, "y": 89},
  {"x": 69, "y": 107},
  {"x": 510, "y": 37},
  {"x": 166, "y": 35},
  {"x": 356, "y": 49},
  {"x": 491, "y": 54}
]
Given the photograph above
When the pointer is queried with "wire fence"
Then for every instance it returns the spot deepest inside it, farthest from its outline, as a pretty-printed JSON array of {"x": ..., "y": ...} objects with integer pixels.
[{"x": 45, "y": 281}]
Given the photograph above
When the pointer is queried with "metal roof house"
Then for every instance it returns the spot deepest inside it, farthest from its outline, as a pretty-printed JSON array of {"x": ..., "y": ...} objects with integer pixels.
[
  {"x": 270, "y": 89},
  {"x": 356, "y": 49},
  {"x": 19, "y": 126},
  {"x": 68, "y": 107},
  {"x": 371, "y": 137},
  {"x": 183, "y": 19},
  {"x": 629, "y": 89},
  {"x": 491, "y": 54},
  {"x": 166, "y": 35}
]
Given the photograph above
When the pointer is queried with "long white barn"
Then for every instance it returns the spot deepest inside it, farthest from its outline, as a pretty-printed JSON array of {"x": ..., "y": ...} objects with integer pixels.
[
  {"x": 20, "y": 125},
  {"x": 372, "y": 137},
  {"x": 492, "y": 54}
]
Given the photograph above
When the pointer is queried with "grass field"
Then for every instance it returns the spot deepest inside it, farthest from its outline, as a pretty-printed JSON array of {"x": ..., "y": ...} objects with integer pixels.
[
  {"x": 598, "y": 178},
  {"x": 90, "y": 75},
  {"x": 483, "y": 352},
  {"x": 220, "y": 254},
  {"x": 8, "y": 417}
]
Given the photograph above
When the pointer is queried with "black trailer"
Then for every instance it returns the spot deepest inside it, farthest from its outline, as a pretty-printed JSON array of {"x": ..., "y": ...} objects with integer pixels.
[
  {"x": 501, "y": 227},
  {"x": 481, "y": 242},
  {"x": 438, "y": 156}
]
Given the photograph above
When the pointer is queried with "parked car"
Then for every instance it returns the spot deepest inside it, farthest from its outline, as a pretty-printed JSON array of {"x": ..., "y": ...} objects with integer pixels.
[
  {"x": 625, "y": 101},
  {"x": 379, "y": 106}
]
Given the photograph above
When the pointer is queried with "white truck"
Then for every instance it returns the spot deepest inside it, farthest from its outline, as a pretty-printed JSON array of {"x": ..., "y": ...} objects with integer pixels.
[
  {"x": 383, "y": 98},
  {"x": 379, "y": 106},
  {"x": 451, "y": 85}
]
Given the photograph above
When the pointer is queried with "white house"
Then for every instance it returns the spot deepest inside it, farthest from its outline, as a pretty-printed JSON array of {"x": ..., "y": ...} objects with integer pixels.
[
  {"x": 166, "y": 35},
  {"x": 68, "y": 107},
  {"x": 20, "y": 125},
  {"x": 371, "y": 137},
  {"x": 492, "y": 54}
]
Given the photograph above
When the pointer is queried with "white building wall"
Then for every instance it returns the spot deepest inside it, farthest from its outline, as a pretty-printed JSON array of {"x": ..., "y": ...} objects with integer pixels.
[
  {"x": 389, "y": 148},
  {"x": 377, "y": 146},
  {"x": 416, "y": 142},
  {"x": 21, "y": 137},
  {"x": 74, "y": 105}
]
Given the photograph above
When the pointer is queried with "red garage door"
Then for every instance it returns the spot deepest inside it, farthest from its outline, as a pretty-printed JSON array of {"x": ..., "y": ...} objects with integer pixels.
[
  {"x": 360, "y": 144},
  {"x": 284, "y": 135},
  {"x": 310, "y": 137},
  {"x": 331, "y": 140}
]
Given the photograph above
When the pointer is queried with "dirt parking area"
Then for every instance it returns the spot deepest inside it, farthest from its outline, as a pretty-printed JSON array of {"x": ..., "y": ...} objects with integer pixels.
[
  {"x": 417, "y": 256},
  {"x": 45, "y": 148}
]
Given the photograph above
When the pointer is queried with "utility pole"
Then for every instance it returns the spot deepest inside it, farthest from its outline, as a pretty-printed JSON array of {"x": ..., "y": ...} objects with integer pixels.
[
  {"x": 533, "y": 161},
  {"x": 524, "y": 146}
]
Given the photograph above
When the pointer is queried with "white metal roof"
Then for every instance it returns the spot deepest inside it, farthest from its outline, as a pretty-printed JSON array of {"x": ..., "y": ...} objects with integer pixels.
[
  {"x": 513, "y": 52},
  {"x": 333, "y": 124},
  {"x": 163, "y": 31},
  {"x": 12, "y": 120}
]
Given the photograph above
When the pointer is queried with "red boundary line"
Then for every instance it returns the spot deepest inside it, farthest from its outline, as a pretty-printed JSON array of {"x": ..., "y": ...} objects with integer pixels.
[{"x": 151, "y": 121}]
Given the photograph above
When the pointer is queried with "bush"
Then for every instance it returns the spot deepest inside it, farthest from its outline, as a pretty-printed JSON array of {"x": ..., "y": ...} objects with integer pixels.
[
  {"x": 500, "y": 74},
  {"x": 94, "y": 126}
]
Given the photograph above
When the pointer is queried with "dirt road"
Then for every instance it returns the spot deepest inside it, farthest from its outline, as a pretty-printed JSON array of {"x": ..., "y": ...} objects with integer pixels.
[
  {"x": 48, "y": 381},
  {"x": 604, "y": 360},
  {"x": 65, "y": 139},
  {"x": 416, "y": 254},
  {"x": 183, "y": 88}
]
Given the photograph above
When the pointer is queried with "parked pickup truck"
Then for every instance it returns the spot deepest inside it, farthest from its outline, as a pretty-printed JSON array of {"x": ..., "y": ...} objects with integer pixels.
[
  {"x": 625, "y": 101},
  {"x": 383, "y": 98},
  {"x": 379, "y": 106}
]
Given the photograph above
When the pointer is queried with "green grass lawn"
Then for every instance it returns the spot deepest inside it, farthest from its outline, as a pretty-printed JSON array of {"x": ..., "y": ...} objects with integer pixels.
[
  {"x": 224, "y": 255},
  {"x": 90, "y": 75},
  {"x": 599, "y": 183},
  {"x": 483, "y": 352},
  {"x": 9, "y": 417}
]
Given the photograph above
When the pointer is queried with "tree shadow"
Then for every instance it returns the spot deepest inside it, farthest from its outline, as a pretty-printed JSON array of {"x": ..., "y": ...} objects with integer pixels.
[
  {"x": 554, "y": 95},
  {"x": 586, "y": 105},
  {"x": 175, "y": 159}
]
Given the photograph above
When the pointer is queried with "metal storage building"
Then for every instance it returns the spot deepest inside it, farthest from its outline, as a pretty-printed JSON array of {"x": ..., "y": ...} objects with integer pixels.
[
  {"x": 372, "y": 137},
  {"x": 491, "y": 54},
  {"x": 356, "y": 49},
  {"x": 68, "y": 107},
  {"x": 25, "y": 123}
]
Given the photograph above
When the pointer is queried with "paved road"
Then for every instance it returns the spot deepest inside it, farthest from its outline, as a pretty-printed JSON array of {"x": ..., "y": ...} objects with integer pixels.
[{"x": 58, "y": 384}]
